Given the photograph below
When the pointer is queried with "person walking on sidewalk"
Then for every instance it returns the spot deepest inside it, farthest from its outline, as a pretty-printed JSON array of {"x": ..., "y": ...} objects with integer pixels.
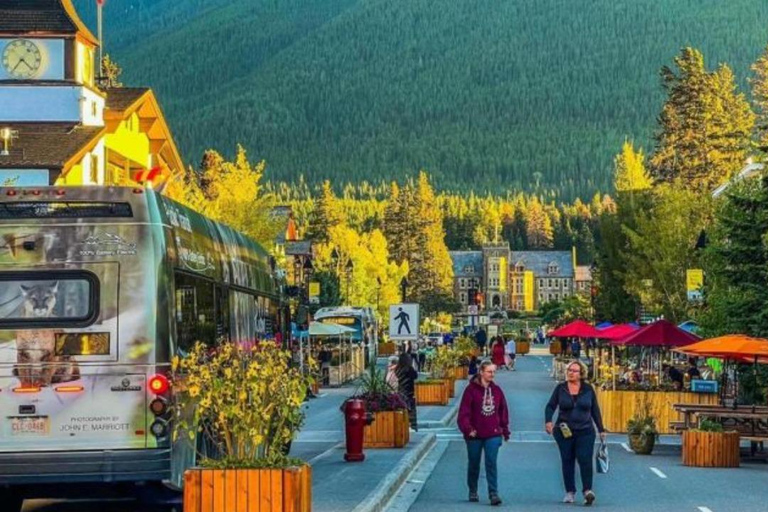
[
  {"x": 484, "y": 421},
  {"x": 511, "y": 353},
  {"x": 406, "y": 382},
  {"x": 497, "y": 353},
  {"x": 574, "y": 430},
  {"x": 391, "y": 378},
  {"x": 481, "y": 338}
]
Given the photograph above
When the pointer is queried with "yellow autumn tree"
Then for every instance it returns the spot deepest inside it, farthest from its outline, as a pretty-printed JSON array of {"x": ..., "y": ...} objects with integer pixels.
[{"x": 230, "y": 193}]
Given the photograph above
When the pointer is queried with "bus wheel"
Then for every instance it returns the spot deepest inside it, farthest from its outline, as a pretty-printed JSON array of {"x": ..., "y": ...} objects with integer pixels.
[{"x": 11, "y": 501}]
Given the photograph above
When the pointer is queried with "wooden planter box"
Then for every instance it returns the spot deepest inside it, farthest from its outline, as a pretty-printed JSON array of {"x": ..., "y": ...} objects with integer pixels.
[
  {"x": 316, "y": 387},
  {"x": 524, "y": 347},
  {"x": 617, "y": 407},
  {"x": 460, "y": 372},
  {"x": 710, "y": 449},
  {"x": 431, "y": 394},
  {"x": 390, "y": 429},
  {"x": 246, "y": 490},
  {"x": 450, "y": 386},
  {"x": 386, "y": 349},
  {"x": 555, "y": 347}
]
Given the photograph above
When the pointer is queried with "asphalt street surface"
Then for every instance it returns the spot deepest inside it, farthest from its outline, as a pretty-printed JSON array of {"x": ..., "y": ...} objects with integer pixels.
[
  {"x": 529, "y": 466},
  {"x": 530, "y": 477}
]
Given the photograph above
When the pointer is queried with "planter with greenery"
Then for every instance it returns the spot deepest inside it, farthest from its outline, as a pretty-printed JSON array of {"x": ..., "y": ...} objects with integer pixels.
[
  {"x": 710, "y": 447},
  {"x": 240, "y": 407},
  {"x": 431, "y": 392},
  {"x": 390, "y": 427},
  {"x": 641, "y": 429}
]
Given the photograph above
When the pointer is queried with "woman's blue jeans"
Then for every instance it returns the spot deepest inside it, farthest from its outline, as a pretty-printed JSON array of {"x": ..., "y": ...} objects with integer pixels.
[
  {"x": 579, "y": 447},
  {"x": 475, "y": 448}
]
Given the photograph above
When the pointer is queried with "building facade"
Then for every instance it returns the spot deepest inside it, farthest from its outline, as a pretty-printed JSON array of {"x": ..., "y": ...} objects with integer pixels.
[
  {"x": 58, "y": 125},
  {"x": 467, "y": 276},
  {"x": 513, "y": 280},
  {"x": 583, "y": 280}
]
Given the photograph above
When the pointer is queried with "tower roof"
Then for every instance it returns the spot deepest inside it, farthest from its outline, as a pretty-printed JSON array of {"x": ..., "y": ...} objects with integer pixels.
[{"x": 42, "y": 17}]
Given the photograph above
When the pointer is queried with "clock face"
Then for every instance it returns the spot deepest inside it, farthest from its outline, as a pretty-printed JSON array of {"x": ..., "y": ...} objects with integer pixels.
[{"x": 22, "y": 58}]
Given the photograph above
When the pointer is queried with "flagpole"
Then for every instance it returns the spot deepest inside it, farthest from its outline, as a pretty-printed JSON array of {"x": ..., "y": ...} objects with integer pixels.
[{"x": 99, "y": 5}]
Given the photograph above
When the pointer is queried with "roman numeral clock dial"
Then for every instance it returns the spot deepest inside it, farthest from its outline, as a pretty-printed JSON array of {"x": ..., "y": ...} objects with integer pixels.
[{"x": 22, "y": 58}]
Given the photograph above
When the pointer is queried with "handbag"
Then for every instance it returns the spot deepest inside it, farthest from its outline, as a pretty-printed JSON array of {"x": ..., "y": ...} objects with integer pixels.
[{"x": 602, "y": 460}]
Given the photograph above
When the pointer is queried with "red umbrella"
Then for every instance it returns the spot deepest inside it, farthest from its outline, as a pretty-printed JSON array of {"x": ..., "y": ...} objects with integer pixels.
[
  {"x": 576, "y": 329},
  {"x": 616, "y": 332},
  {"x": 662, "y": 333}
]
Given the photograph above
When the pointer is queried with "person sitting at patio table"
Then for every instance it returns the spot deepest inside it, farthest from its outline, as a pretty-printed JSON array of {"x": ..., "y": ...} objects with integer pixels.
[
  {"x": 675, "y": 375},
  {"x": 693, "y": 370}
]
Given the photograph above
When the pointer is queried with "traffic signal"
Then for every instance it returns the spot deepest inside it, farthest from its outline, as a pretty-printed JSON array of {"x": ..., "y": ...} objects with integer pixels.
[{"x": 472, "y": 296}]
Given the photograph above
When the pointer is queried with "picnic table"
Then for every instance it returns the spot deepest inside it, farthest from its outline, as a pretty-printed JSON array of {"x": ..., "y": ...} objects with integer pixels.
[{"x": 693, "y": 412}]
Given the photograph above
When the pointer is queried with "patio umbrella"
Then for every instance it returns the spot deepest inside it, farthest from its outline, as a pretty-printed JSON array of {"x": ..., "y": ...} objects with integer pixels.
[
  {"x": 617, "y": 332},
  {"x": 576, "y": 329},
  {"x": 661, "y": 333},
  {"x": 739, "y": 348}
]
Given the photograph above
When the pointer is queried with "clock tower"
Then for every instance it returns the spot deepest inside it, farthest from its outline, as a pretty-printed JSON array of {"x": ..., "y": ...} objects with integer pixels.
[{"x": 47, "y": 62}]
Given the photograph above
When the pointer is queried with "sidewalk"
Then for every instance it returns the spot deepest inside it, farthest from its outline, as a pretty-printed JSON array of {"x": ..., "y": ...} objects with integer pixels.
[
  {"x": 367, "y": 486},
  {"x": 363, "y": 486}
]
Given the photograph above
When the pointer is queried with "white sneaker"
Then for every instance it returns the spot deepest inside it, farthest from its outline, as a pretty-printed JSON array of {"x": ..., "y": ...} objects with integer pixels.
[{"x": 569, "y": 497}]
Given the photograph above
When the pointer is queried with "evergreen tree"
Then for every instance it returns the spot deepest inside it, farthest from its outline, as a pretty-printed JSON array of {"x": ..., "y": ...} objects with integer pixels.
[
  {"x": 705, "y": 125},
  {"x": 326, "y": 215},
  {"x": 759, "y": 85},
  {"x": 736, "y": 263},
  {"x": 430, "y": 265}
]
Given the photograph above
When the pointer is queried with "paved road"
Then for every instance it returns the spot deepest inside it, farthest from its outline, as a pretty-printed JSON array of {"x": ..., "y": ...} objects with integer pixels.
[{"x": 530, "y": 473}]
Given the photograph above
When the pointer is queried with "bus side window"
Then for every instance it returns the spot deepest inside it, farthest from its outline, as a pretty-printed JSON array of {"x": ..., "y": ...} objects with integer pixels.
[
  {"x": 222, "y": 313},
  {"x": 195, "y": 318}
]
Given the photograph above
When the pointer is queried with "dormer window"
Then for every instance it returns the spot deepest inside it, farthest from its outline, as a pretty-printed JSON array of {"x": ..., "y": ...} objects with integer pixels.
[
  {"x": 519, "y": 268},
  {"x": 553, "y": 269},
  {"x": 469, "y": 269}
]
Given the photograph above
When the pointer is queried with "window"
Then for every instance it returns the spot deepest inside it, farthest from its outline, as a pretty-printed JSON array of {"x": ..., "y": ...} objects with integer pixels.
[
  {"x": 94, "y": 109},
  {"x": 462, "y": 283},
  {"x": 553, "y": 269},
  {"x": 541, "y": 283},
  {"x": 65, "y": 298},
  {"x": 463, "y": 297},
  {"x": 195, "y": 308},
  {"x": 520, "y": 268},
  {"x": 549, "y": 283},
  {"x": 93, "y": 174},
  {"x": 469, "y": 269},
  {"x": 63, "y": 209}
]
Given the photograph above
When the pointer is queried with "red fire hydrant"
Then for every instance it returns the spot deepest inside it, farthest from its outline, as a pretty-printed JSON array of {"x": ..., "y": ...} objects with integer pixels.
[{"x": 355, "y": 419}]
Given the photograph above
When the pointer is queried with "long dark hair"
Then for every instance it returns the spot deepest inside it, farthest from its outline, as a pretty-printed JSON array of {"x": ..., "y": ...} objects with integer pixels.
[{"x": 404, "y": 363}]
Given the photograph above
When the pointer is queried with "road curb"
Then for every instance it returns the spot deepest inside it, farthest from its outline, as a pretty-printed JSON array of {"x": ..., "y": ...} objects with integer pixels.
[
  {"x": 445, "y": 420},
  {"x": 388, "y": 487}
]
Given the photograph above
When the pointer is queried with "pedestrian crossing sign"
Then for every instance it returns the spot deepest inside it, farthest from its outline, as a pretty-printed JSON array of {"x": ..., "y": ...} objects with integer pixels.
[{"x": 404, "y": 321}]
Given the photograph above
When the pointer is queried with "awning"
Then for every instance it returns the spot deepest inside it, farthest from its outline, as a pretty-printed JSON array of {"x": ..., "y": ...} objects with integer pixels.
[{"x": 576, "y": 329}]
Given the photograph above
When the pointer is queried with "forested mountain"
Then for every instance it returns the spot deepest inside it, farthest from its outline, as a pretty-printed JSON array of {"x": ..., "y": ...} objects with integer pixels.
[{"x": 489, "y": 95}]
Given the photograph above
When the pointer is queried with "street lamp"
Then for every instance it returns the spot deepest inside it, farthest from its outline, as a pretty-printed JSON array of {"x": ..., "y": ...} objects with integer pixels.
[
  {"x": 403, "y": 288},
  {"x": 307, "y": 275},
  {"x": 378, "y": 292}
]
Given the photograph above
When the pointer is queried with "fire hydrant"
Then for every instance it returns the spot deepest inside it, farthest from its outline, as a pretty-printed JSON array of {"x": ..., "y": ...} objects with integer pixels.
[{"x": 355, "y": 419}]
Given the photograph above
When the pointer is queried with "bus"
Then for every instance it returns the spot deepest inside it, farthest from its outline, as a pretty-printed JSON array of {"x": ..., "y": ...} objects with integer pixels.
[
  {"x": 361, "y": 319},
  {"x": 99, "y": 289}
]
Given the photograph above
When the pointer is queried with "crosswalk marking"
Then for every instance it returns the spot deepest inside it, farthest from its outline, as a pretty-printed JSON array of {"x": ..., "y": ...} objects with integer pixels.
[{"x": 658, "y": 473}]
